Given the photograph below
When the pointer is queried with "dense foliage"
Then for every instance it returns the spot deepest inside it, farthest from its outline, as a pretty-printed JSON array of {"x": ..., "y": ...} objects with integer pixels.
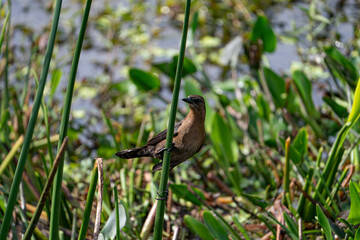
[{"x": 281, "y": 83}]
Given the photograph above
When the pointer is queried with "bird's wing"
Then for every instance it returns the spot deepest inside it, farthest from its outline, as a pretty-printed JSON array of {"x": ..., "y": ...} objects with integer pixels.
[{"x": 161, "y": 136}]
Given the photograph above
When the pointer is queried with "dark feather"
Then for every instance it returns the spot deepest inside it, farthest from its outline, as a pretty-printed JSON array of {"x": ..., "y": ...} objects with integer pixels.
[{"x": 162, "y": 135}]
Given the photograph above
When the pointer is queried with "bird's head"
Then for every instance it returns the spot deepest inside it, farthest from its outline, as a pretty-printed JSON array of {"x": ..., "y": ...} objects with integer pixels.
[{"x": 196, "y": 103}]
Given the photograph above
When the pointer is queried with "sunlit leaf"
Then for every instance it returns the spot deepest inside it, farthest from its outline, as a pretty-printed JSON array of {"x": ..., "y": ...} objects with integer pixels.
[
  {"x": 197, "y": 227},
  {"x": 355, "y": 110},
  {"x": 325, "y": 225},
  {"x": 144, "y": 81},
  {"x": 55, "y": 80},
  {"x": 354, "y": 215},
  {"x": 262, "y": 30},
  {"x": 215, "y": 227}
]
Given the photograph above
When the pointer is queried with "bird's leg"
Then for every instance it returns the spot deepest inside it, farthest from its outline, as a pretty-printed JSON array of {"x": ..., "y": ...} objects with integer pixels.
[
  {"x": 167, "y": 149},
  {"x": 166, "y": 194}
]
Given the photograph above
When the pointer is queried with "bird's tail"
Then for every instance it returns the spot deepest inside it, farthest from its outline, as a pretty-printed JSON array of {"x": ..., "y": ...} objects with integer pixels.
[{"x": 131, "y": 153}]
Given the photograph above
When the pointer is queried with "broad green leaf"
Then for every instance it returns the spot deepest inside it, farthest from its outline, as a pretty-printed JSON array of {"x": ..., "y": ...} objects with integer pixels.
[
  {"x": 325, "y": 225},
  {"x": 264, "y": 108},
  {"x": 169, "y": 68},
  {"x": 276, "y": 86},
  {"x": 262, "y": 30},
  {"x": 354, "y": 215},
  {"x": 55, "y": 79},
  {"x": 198, "y": 228},
  {"x": 357, "y": 234},
  {"x": 355, "y": 110},
  {"x": 144, "y": 81},
  {"x": 291, "y": 224},
  {"x": 182, "y": 191},
  {"x": 188, "y": 66},
  {"x": 304, "y": 87},
  {"x": 298, "y": 148},
  {"x": 224, "y": 142},
  {"x": 109, "y": 229},
  {"x": 215, "y": 227},
  {"x": 337, "y": 106},
  {"x": 340, "y": 66},
  {"x": 192, "y": 88}
]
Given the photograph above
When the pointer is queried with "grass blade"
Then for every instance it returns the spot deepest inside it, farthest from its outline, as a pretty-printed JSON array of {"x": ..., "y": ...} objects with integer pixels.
[
  {"x": 31, "y": 126},
  {"x": 56, "y": 196}
]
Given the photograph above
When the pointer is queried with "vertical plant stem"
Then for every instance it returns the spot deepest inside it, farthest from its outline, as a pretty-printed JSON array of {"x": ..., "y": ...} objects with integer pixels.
[
  {"x": 117, "y": 213},
  {"x": 31, "y": 126},
  {"x": 89, "y": 203},
  {"x": 160, "y": 211},
  {"x": 45, "y": 192},
  {"x": 56, "y": 195}
]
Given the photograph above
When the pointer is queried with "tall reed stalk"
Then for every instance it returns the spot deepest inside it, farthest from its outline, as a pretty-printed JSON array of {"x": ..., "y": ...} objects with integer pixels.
[
  {"x": 31, "y": 126},
  {"x": 56, "y": 194},
  {"x": 160, "y": 211}
]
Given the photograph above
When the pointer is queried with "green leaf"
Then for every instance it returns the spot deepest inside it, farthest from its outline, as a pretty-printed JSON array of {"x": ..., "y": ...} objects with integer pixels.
[
  {"x": 304, "y": 87},
  {"x": 215, "y": 227},
  {"x": 324, "y": 223},
  {"x": 357, "y": 234},
  {"x": 354, "y": 215},
  {"x": 291, "y": 224},
  {"x": 355, "y": 110},
  {"x": 191, "y": 87},
  {"x": 262, "y": 30},
  {"x": 224, "y": 143},
  {"x": 276, "y": 85},
  {"x": 336, "y": 105},
  {"x": 258, "y": 201},
  {"x": 144, "y": 81},
  {"x": 182, "y": 191},
  {"x": 340, "y": 67},
  {"x": 188, "y": 67},
  {"x": 55, "y": 79},
  {"x": 298, "y": 148},
  {"x": 169, "y": 68},
  {"x": 264, "y": 108},
  {"x": 198, "y": 228},
  {"x": 109, "y": 229}
]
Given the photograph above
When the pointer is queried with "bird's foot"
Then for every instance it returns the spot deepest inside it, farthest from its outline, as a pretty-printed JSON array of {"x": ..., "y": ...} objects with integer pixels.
[
  {"x": 164, "y": 197},
  {"x": 167, "y": 149},
  {"x": 170, "y": 148}
]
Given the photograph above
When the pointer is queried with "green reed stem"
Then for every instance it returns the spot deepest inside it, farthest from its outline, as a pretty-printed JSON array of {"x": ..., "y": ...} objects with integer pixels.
[
  {"x": 89, "y": 203},
  {"x": 31, "y": 126},
  {"x": 160, "y": 211},
  {"x": 117, "y": 214},
  {"x": 56, "y": 195},
  {"x": 46, "y": 192}
]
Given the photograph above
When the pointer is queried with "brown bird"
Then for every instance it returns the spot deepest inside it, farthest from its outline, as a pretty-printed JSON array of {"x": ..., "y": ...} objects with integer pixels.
[{"x": 189, "y": 137}]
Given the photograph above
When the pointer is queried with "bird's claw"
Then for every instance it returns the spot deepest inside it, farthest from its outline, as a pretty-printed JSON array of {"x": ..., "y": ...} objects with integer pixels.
[
  {"x": 170, "y": 148},
  {"x": 162, "y": 198}
]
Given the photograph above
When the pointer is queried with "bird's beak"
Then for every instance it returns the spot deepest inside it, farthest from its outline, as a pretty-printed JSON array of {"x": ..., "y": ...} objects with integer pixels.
[{"x": 188, "y": 100}]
